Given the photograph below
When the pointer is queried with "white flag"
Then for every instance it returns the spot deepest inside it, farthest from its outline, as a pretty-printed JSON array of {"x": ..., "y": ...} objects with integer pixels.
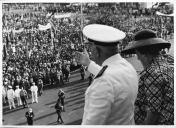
[
  {"x": 42, "y": 27},
  {"x": 62, "y": 15},
  {"x": 162, "y": 14}
]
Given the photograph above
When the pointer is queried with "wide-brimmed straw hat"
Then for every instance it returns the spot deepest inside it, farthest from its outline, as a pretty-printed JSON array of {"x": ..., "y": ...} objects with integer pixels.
[{"x": 145, "y": 38}]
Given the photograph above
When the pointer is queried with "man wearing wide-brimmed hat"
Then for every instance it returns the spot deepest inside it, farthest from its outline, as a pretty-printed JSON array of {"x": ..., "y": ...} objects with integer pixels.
[
  {"x": 34, "y": 92},
  {"x": 109, "y": 100},
  {"x": 155, "y": 100}
]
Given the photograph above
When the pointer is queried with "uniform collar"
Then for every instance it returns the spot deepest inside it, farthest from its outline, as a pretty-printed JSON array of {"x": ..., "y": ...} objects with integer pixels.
[{"x": 111, "y": 59}]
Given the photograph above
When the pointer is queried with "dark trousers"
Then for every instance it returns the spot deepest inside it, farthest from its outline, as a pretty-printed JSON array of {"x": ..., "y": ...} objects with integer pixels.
[
  {"x": 67, "y": 77},
  {"x": 40, "y": 91},
  {"x": 59, "y": 118},
  {"x": 29, "y": 95},
  {"x": 82, "y": 76},
  {"x": 61, "y": 80},
  {"x": 24, "y": 102},
  {"x": 30, "y": 121},
  {"x": 58, "y": 83}
]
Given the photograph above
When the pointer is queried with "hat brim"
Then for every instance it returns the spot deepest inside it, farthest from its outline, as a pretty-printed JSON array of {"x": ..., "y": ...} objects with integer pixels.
[{"x": 152, "y": 42}]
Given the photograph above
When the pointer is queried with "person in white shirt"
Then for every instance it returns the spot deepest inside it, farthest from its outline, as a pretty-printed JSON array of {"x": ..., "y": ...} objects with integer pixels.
[
  {"x": 17, "y": 95},
  {"x": 4, "y": 94},
  {"x": 59, "y": 73},
  {"x": 109, "y": 100},
  {"x": 10, "y": 97},
  {"x": 34, "y": 91}
]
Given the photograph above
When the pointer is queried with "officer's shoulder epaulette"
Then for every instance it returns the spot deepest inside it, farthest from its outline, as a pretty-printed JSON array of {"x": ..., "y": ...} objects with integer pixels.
[{"x": 101, "y": 71}]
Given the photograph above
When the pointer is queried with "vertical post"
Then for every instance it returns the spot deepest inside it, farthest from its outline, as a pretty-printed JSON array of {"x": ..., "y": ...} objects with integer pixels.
[
  {"x": 161, "y": 26},
  {"x": 81, "y": 23},
  {"x": 51, "y": 37},
  {"x": 52, "y": 33}
]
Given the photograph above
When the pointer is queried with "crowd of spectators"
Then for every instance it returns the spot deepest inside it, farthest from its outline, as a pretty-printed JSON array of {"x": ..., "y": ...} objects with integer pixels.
[
  {"x": 131, "y": 18},
  {"x": 47, "y": 55}
]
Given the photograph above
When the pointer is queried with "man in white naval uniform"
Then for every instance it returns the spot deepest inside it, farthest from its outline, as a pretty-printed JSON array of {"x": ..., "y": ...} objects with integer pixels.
[
  {"x": 34, "y": 91},
  {"x": 10, "y": 97},
  {"x": 17, "y": 95},
  {"x": 109, "y": 100}
]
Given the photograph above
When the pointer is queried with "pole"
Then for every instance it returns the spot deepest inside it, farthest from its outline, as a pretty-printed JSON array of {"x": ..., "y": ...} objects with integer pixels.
[
  {"x": 52, "y": 33},
  {"x": 81, "y": 23}
]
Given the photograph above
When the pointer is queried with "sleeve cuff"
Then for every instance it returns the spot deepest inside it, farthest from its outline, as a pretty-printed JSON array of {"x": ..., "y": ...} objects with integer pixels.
[{"x": 94, "y": 68}]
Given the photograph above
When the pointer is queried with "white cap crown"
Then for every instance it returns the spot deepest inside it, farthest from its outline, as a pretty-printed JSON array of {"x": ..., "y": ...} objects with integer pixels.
[{"x": 103, "y": 33}]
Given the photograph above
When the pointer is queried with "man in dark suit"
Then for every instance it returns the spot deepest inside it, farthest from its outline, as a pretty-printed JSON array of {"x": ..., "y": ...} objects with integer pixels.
[{"x": 30, "y": 116}]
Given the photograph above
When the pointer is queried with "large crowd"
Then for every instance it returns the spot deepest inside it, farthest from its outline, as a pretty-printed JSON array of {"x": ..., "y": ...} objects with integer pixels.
[{"x": 31, "y": 56}]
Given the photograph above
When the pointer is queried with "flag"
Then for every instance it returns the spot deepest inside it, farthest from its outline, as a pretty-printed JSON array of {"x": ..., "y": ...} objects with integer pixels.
[
  {"x": 67, "y": 15},
  {"x": 44, "y": 27},
  {"x": 162, "y": 14}
]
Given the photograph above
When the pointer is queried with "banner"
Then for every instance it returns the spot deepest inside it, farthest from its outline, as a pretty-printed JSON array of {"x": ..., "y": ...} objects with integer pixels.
[
  {"x": 162, "y": 14},
  {"x": 42, "y": 27},
  {"x": 57, "y": 16},
  {"x": 13, "y": 30}
]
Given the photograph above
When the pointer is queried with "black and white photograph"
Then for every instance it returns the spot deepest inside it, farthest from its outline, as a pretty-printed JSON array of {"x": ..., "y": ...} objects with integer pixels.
[{"x": 87, "y": 63}]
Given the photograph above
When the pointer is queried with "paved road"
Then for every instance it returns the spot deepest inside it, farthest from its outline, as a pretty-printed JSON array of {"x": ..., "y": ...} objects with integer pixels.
[{"x": 44, "y": 111}]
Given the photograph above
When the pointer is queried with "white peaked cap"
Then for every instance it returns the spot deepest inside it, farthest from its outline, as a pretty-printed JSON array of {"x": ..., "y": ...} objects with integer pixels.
[{"x": 103, "y": 34}]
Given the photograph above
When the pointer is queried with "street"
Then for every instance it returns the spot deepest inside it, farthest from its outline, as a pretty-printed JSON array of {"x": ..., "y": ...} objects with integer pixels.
[{"x": 44, "y": 111}]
